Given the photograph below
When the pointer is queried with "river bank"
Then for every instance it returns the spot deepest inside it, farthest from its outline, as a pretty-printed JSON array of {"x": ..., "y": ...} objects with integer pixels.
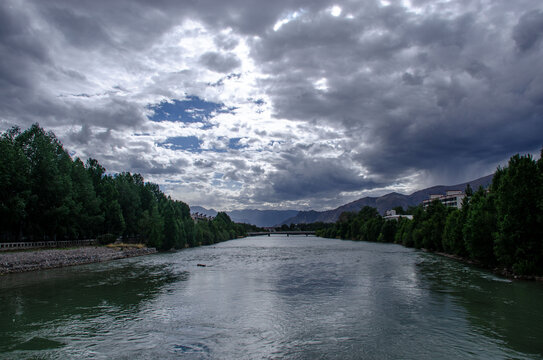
[
  {"x": 31, "y": 260},
  {"x": 504, "y": 272}
]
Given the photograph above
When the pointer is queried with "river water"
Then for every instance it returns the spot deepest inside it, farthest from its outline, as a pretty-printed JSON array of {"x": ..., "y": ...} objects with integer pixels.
[{"x": 272, "y": 297}]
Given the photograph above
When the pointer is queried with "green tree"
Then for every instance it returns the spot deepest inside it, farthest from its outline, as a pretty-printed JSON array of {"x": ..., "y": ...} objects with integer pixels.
[
  {"x": 86, "y": 214},
  {"x": 14, "y": 186},
  {"x": 519, "y": 189},
  {"x": 171, "y": 227},
  {"x": 404, "y": 234},
  {"x": 388, "y": 230},
  {"x": 48, "y": 206},
  {"x": 430, "y": 233},
  {"x": 129, "y": 199},
  {"x": 151, "y": 227},
  {"x": 113, "y": 215},
  {"x": 453, "y": 237},
  {"x": 479, "y": 227}
]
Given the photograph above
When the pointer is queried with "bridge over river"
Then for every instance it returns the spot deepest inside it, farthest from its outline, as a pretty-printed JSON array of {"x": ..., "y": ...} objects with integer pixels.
[{"x": 287, "y": 233}]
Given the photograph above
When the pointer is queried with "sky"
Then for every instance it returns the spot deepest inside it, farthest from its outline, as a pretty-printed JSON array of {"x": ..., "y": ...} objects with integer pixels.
[{"x": 298, "y": 104}]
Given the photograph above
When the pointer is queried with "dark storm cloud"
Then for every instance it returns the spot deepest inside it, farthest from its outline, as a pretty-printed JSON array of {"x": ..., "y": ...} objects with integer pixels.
[
  {"x": 422, "y": 92},
  {"x": 447, "y": 92},
  {"x": 239, "y": 164},
  {"x": 113, "y": 113},
  {"x": 529, "y": 30},
  {"x": 121, "y": 25},
  {"x": 225, "y": 42},
  {"x": 299, "y": 175},
  {"x": 82, "y": 136},
  {"x": 79, "y": 29},
  {"x": 204, "y": 163},
  {"x": 411, "y": 79},
  {"x": 312, "y": 178},
  {"x": 248, "y": 17},
  {"x": 153, "y": 167},
  {"x": 223, "y": 63},
  {"x": 21, "y": 53},
  {"x": 28, "y": 63}
]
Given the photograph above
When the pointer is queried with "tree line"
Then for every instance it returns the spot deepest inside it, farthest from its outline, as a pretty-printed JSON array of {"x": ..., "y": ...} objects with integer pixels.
[
  {"x": 499, "y": 227},
  {"x": 319, "y": 225},
  {"x": 47, "y": 195}
]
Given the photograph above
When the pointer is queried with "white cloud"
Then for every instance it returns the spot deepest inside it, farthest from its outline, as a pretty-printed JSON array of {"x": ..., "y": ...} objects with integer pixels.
[
  {"x": 335, "y": 10},
  {"x": 286, "y": 19},
  {"x": 369, "y": 89}
]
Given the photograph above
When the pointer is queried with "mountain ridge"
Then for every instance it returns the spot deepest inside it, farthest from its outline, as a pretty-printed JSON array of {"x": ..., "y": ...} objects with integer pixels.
[
  {"x": 268, "y": 218},
  {"x": 383, "y": 203},
  {"x": 262, "y": 218}
]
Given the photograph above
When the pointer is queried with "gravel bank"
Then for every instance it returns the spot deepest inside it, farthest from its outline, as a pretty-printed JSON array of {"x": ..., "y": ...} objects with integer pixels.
[{"x": 13, "y": 262}]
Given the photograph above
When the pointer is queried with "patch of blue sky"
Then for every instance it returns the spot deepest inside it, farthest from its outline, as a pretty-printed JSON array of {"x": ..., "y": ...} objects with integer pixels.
[
  {"x": 191, "y": 110},
  {"x": 217, "y": 179},
  {"x": 234, "y": 143},
  {"x": 232, "y": 184},
  {"x": 188, "y": 143}
]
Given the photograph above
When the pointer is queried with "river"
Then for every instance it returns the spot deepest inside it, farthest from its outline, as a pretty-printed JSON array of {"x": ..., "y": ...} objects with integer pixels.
[{"x": 272, "y": 297}]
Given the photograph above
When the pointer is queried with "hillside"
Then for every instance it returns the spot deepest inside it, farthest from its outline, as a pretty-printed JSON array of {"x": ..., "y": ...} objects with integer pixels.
[
  {"x": 262, "y": 218},
  {"x": 384, "y": 202},
  {"x": 266, "y": 218}
]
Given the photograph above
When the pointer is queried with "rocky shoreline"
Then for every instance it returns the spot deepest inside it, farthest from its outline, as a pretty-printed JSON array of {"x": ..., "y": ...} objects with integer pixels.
[{"x": 22, "y": 261}]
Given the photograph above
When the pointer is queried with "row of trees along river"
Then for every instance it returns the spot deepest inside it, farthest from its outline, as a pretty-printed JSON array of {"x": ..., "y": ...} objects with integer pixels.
[
  {"x": 45, "y": 194},
  {"x": 501, "y": 226}
]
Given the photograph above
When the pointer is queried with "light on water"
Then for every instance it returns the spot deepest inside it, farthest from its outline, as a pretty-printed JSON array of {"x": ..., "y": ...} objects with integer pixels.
[{"x": 272, "y": 297}]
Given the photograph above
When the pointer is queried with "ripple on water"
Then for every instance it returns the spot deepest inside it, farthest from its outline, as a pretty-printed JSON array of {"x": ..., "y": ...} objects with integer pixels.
[
  {"x": 194, "y": 348},
  {"x": 272, "y": 298},
  {"x": 39, "y": 343}
]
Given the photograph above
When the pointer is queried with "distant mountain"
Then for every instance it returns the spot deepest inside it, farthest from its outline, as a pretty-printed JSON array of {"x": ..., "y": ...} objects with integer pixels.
[
  {"x": 202, "y": 210},
  {"x": 260, "y": 218},
  {"x": 266, "y": 218},
  {"x": 384, "y": 202}
]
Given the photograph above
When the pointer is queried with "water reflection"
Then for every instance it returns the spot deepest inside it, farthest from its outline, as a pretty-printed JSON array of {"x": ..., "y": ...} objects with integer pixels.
[
  {"x": 278, "y": 297},
  {"x": 76, "y": 302},
  {"x": 505, "y": 310}
]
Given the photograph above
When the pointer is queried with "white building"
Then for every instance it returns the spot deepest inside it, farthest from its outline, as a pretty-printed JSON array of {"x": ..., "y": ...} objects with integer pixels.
[
  {"x": 391, "y": 215},
  {"x": 452, "y": 198}
]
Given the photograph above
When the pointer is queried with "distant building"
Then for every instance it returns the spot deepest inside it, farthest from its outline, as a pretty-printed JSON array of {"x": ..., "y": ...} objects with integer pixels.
[
  {"x": 391, "y": 215},
  {"x": 452, "y": 198},
  {"x": 200, "y": 217}
]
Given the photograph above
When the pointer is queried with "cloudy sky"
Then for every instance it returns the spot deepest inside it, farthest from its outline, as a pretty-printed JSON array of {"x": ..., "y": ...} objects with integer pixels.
[{"x": 279, "y": 104}]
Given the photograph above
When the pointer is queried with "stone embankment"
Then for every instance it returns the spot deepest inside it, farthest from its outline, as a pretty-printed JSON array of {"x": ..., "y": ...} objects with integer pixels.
[{"x": 21, "y": 261}]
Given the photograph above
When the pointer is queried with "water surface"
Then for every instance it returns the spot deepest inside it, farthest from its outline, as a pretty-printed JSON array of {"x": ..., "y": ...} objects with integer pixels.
[{"x": 272, "y": 297}]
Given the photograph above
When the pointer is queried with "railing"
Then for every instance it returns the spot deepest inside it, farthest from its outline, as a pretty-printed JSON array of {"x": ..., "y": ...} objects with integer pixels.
[
  {"x": 45, "y": 244},
  {"x": 306, "y": 233}
]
